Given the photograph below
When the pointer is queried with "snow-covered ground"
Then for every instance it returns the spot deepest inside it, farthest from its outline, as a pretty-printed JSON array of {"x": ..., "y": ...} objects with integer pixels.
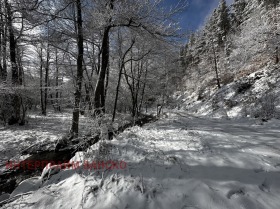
[
  {"x": 255, "y": 95},
  {"x": 43, "y": 131},
  {"x": 40, "y": 129},
  {"x": 180, "y": 162}
]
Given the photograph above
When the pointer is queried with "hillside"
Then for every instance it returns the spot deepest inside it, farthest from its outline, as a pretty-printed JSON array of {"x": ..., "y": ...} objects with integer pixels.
[{"x": 245, "y": 63}]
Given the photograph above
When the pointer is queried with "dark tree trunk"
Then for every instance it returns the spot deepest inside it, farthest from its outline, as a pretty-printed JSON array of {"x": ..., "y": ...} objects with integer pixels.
[
  {"x": 13, "y": 58},
  {"x": 117, "y": 92},
  {"x": 133, "y": 93},
  {"x": 101, "y": 86},
  {"x": 107, "y": 80},
  {"x": 44, "y": 112},
  {"x": 276, "y": 55},
  {"x": 41, "y": 81},
  {"x": 88, "y": 99},
  {"x": 57, "y": 83},
  {"x": 99, "y": 94},
  {"x": 216, "y": 66},
  {"x": 3, "y": 72},
  {"x": 15, "y": 116},
  {"x": 79, "y": 78},
  {"x": 4, "y": 48},
  {"x": 20, "y": 68},
  {"x": 134, "y": 107}
]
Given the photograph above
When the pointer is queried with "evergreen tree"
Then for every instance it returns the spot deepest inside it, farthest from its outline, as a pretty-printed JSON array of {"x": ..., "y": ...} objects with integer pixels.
[
  {"x": 239, "y": 8},
  {"x": 223, "y": 22},
  {"x": 218, "y": 25},
  {"x": 270, "y": 3}
]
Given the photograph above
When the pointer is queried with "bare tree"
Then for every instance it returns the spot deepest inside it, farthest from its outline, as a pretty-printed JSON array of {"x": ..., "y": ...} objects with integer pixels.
[
  {"x": 141, "y": 16},
  {"x": 80, "y": 69},
  {"x": 3, "y": 42},
  {"x": 121, "y": 65}
]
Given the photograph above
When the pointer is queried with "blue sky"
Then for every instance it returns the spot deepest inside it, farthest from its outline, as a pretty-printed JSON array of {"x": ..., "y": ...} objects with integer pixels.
[{"x": 196, "y": 12}]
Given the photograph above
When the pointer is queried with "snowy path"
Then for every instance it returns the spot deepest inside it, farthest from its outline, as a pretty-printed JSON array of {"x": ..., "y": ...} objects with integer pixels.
[{"x": 179, "y": 162}]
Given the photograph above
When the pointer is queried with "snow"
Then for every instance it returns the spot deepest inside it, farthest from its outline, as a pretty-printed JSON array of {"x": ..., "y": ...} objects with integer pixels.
[
  {"x": 240, "y": 98},
  {"x": 39, "y": 130},
  {"x": 27, "y": 185},
  {"x": 180, "y": 161}
]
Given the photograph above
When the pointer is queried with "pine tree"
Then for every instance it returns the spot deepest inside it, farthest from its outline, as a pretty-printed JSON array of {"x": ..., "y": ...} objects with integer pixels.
[
  {"x": 217, "y": 29},
  {"x": 239, "y": 8},
  {"x": 223, "y": 22},
  {"x": 270, "y": 3}
]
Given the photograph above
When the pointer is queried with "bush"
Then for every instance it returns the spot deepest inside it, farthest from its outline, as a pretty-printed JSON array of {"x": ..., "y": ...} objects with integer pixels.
[
  {"x": 230, "y": 103},
  {"x": 243, "y": 87},
  {"x": 6, "y": 109},
  {"x": 201, "y": 94},
  {"x": 14, "y": 105},
  {"x": 267, "y": 107},
  {"x": 227, "y": 78}
]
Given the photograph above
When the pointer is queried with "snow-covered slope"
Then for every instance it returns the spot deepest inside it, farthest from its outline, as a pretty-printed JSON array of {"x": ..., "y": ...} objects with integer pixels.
[
  {"x": 256, "y": 95},
  {"x": 246, "y": 66},
  {"x": 181, "y": 161}
]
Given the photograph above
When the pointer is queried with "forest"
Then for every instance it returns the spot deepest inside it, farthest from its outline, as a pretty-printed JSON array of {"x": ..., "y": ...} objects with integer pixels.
[
  {"x": 139, "y": 104},
  {"x": 95, "y": 57}
]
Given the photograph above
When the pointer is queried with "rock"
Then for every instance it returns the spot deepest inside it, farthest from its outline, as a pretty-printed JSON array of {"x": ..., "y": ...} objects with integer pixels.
[
  {"x": 64, "y": 142},
  {"x": 27, "y": 185},
  {"x": 4, "y": 196}
]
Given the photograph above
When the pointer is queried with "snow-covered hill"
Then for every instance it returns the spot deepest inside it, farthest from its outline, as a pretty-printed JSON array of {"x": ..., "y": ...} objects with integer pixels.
[
  {"x": 256, "y": 95},
  {"x": 245, "y": 65}
]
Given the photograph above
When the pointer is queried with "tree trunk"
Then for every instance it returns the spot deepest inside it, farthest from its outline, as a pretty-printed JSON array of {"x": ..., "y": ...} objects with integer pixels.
[
  {"x": 4, "y": 48},
  {"x": 101, "y": 86},
  {"x": 99, "y": 94},
  {"x": 144, "y": 87},
  {"x": 216, "y": 67},
  {"x": 15, "y": 117},
  {"x": 44, "y": 112},
  {"x": 117, "y": 92},
  {"x": 3, "y": 72},
  {"x": 88, "y": 99},
  {"x": 121, "y": 65},
  {"x": 41, "y": 81},
  {"x": 20, "y": 68},
  {"x": 79, "y": 78},
  {"x": 107, "y": 80},
  {"x": 57, "y": 83},
  {"x": 13, "y": 59},
  {"x": 276, "y": 55}
]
